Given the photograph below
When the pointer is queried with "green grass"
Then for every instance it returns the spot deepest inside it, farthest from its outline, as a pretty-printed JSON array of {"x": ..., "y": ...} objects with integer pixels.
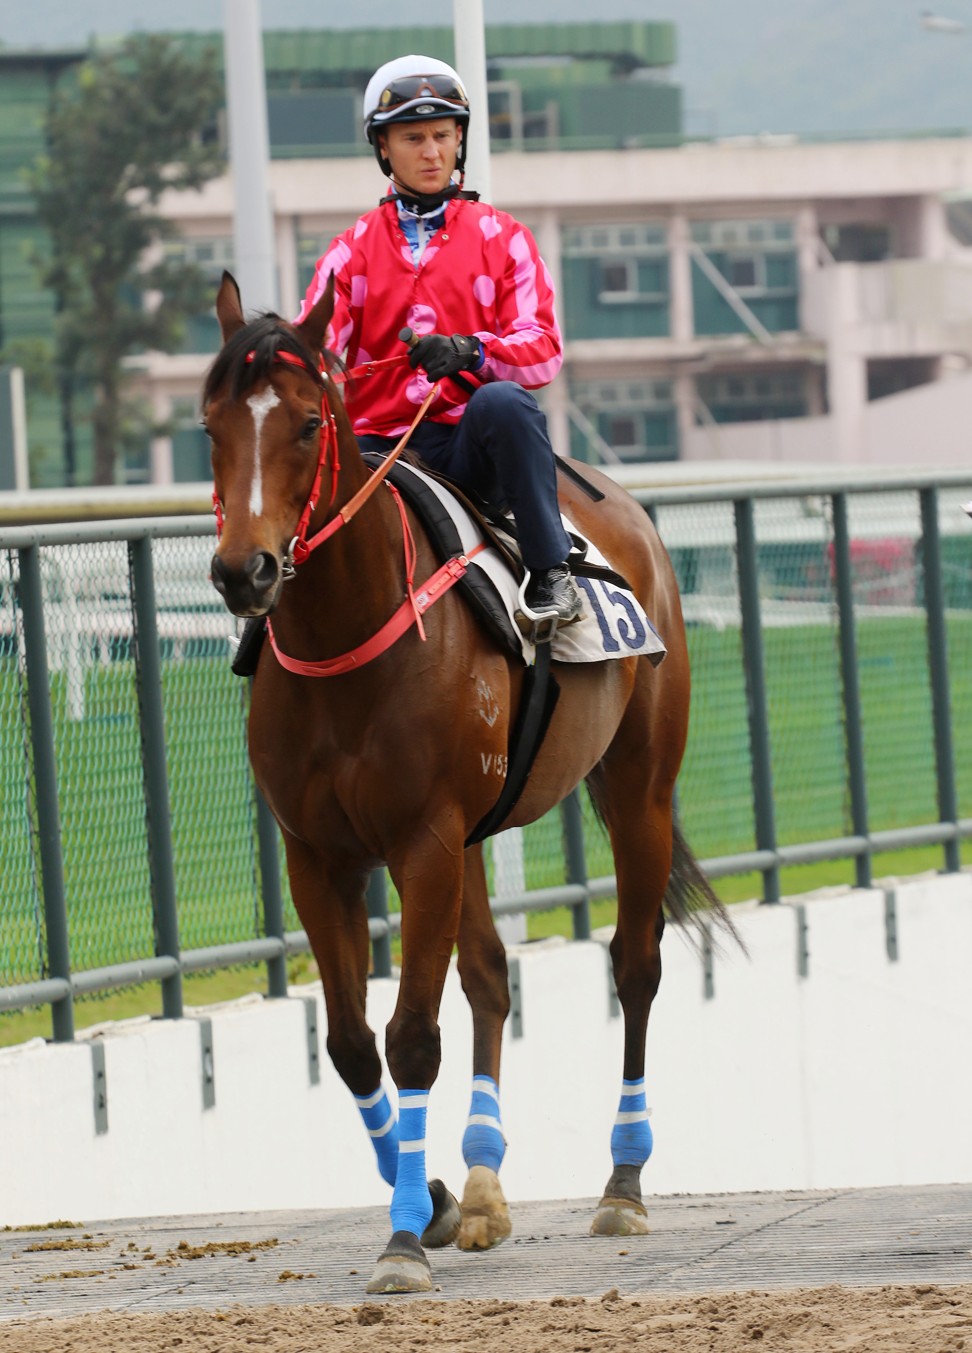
[{"x": 106, "y": 872}]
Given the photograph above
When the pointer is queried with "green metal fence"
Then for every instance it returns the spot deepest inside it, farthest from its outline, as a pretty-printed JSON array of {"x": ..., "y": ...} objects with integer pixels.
[{"x": 830, "y": 632}]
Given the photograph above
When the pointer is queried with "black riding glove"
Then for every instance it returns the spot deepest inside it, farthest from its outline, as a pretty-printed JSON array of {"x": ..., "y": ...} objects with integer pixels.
[{"x": 441, "y": 356}]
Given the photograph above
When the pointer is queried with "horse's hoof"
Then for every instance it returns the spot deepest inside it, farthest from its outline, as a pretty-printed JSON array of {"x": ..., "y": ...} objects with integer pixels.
[
  {"x": 620, "y": 1217},
  {"x": 485, "y": 1214},
  {"x": 446, "y": 1218},
  {"x": 402, "y": 1268}
]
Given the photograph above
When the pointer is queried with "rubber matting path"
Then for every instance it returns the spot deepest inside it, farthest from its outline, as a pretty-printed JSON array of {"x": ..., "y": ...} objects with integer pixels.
[{"x": 858, "y": 1237}]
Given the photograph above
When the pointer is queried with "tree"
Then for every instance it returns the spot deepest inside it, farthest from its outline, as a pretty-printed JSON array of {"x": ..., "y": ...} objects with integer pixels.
[{"x": 127, "y": 130}]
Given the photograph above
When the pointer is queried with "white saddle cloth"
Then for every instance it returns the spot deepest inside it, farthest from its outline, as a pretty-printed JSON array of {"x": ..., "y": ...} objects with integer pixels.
[{"x": 614, "y": 624}]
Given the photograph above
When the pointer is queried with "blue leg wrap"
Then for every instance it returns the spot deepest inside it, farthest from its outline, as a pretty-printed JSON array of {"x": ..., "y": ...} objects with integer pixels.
[
  {"x": 379, "y": 1119},
  {"x": 483, "y": 1142},
  {"x": 411, "y": 1208},
  {"x": 631, "y": 1138}
]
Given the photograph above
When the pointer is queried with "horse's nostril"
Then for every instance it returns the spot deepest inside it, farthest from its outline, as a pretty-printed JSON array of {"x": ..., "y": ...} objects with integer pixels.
[
  {"x": 217, "y": 572},
  {"x": 263, "y": 569}
]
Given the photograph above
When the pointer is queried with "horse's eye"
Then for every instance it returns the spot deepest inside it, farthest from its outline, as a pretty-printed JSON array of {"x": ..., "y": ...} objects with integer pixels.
[{"x": 311, "y": 428}]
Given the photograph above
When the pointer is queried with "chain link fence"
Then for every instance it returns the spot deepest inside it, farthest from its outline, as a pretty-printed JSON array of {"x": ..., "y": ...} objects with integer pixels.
[{"x": 857, "y": 713}]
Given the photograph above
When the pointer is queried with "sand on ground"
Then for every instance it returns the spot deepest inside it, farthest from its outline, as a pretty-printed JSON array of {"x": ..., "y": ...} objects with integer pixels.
[{"x": 912, "y": 1318}]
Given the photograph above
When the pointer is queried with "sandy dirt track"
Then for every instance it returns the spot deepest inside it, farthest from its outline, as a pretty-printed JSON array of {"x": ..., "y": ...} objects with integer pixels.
[
  {"x": 825, "y": 1271},
  {"x": 830, "y": 1319}
]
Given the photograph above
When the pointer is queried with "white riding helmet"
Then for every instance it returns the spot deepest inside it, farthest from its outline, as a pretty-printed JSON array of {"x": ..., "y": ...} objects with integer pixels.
[{"x": 414, "y": 89}]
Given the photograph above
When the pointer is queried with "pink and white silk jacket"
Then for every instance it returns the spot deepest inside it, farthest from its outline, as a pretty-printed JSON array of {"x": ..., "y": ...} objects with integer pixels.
[{"x": 480, "y": 274}]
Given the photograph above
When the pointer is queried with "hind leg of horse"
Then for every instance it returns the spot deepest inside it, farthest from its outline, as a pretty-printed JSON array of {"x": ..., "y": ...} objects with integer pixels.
[
  {"x": 642, "y": 868},
  {"x": 483, "y": 973},
  {"x": 637, "y": 808}
]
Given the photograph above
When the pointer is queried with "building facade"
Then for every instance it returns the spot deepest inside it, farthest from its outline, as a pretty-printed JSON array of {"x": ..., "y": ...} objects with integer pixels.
[
  {"x": 757, "y": 302},
  {"x": 748, "y": 300}
]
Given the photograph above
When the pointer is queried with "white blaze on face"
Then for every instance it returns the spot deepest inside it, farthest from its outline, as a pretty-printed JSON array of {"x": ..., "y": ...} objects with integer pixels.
[{"x": 260, "y": 406}]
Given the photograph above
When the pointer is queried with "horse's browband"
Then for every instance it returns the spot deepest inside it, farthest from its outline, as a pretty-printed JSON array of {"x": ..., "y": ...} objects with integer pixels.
[
  {"x": 293, "y": 359},
  {"x": 355, "y": 373}
]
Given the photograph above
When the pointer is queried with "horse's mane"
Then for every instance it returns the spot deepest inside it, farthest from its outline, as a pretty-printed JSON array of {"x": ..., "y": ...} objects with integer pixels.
[{"x": 264, "y": 337}]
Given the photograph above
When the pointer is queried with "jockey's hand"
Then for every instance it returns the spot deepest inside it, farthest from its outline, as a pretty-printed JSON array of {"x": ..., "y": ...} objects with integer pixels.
[{"x": 441, "y": 356}]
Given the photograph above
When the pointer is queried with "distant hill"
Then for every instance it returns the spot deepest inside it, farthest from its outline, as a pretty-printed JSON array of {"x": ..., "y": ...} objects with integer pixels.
[{"x": 812, "y": 67}]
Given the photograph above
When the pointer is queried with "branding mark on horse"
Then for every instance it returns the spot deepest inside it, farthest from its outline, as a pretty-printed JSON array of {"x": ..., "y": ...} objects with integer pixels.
[
  {"x": 488, "y": 706},
  {"x": 260, "y": 406},
  {"x": 494, "y": 763}
]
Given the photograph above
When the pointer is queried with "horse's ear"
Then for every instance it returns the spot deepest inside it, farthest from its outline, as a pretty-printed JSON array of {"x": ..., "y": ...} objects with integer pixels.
[
  {"x": 314, "y": 327},
  {"x": 229, "y": 307}
]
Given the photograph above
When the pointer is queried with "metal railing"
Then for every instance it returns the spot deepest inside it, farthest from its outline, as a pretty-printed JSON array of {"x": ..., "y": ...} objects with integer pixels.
[{"x": 121, "y": 726}]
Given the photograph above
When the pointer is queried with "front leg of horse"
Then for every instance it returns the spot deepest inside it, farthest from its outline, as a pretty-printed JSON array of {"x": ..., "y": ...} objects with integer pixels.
[
  {"x": 430, "y": 883},
  {"x": 343, "y": 954},
  {"x": 413, "y": 1058}
]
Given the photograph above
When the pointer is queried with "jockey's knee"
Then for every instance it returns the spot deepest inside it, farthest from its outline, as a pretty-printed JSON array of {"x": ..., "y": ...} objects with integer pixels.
[
  {"x": 502, "y": 401},
  {"x": 509, "y": 421}
]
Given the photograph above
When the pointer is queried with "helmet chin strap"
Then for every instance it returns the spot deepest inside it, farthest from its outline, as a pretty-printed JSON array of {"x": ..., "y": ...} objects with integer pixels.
[{"x": 422, "y": 202}]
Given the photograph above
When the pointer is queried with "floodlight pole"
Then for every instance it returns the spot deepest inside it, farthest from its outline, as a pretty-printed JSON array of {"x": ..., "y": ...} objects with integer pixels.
[
  {"x": 470, "y": 44},
  {"x": 249, "y": 143}
]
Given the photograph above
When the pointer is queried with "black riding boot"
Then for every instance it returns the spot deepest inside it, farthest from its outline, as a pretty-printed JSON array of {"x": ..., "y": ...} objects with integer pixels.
[{"x": 554, "y": 590}]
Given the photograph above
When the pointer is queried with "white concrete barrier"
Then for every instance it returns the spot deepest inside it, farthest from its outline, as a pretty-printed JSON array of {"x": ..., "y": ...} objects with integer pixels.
[{"x": 853, "y": 1074}]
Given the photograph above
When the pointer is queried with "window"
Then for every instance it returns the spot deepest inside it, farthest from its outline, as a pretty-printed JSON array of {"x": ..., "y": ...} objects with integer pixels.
[
  {"x": 768, "y": 234},
  {"x": 759, "y": 263},
  {"x": 644, "y": 238},
  {"x": 211, "y": 254},
  {"x": 190, "y": 445},
  {"x": 743, "y": 271},
  {"x": 635, "y": 417},
  {"x": 617, "y": 279},
  {"x": 859, "y": 243},
  {"x": 627, "y": 394},
  {"x": 622, "y": 432},
  {"x": 744, "y": 397}
]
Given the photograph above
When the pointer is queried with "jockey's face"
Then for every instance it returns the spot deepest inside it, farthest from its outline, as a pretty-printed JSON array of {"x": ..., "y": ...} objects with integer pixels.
[{"x": 422, "y": 154}]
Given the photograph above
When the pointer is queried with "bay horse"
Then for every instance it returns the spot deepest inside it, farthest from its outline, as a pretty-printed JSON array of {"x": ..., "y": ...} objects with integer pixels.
[{"x": 383, "y": 762}]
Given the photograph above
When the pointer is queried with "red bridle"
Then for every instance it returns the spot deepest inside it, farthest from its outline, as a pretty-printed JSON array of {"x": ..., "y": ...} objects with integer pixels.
[
  {"x": 328, "y": 442},
  {"x": 412, "y": 608},
  {"x": 300, "y": 547}
]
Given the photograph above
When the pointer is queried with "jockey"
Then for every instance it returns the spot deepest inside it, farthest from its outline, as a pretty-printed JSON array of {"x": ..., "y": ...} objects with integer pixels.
[{"x": 469, "y": 282}]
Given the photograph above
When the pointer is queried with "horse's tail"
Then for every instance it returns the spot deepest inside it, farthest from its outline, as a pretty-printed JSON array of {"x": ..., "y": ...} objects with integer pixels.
[{"x": 690, "y": 900}]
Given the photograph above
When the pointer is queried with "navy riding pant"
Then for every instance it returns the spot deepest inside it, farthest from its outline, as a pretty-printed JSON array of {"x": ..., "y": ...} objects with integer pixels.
[{"x": 499, "y": 451}]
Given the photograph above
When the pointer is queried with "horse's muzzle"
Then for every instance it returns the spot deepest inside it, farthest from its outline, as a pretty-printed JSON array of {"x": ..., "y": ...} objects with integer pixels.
[{"x": 250, "y": 588}]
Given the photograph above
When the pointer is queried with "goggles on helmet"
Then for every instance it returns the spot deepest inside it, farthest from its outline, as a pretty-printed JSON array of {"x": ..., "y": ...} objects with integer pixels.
[{"x": 407, "y": 88}]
